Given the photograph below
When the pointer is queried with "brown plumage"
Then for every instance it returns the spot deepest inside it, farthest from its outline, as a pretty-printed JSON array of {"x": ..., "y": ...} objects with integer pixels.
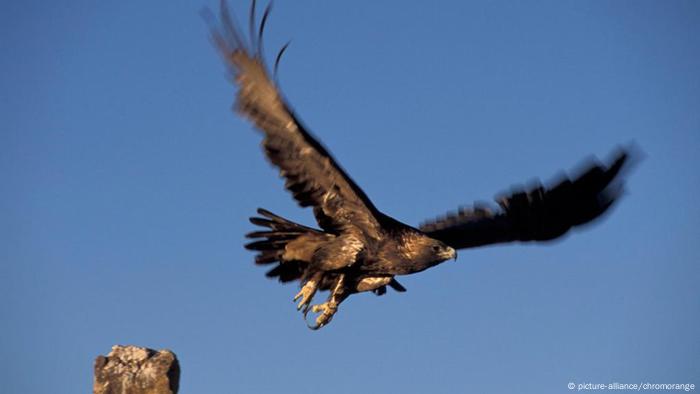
[{"x": 358, "y": 248}]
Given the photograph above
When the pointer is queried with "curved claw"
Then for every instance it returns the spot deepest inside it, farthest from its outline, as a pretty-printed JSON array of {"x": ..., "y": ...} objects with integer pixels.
[
  {"x": 306, "y": 294},
  {"x": 305, "y": 300},
  {"x": 327, "y": 311},
  {"x": 313, "y": 327}
]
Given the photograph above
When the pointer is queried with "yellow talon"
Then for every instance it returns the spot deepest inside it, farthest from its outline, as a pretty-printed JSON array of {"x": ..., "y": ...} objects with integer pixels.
[{"x": 307, "y": 293}]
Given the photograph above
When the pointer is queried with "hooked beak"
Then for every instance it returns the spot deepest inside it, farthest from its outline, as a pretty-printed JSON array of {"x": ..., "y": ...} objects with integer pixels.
[{"x": 450, "y": 254}]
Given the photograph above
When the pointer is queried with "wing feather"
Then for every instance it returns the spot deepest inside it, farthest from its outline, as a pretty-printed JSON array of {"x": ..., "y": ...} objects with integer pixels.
[
  {"x": 536, "y": 214},
  {"x": 312, "y": 175}
]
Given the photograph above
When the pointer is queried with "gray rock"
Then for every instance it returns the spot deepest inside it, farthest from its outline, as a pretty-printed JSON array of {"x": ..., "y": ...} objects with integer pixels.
[{"x": 136, "y": 370}]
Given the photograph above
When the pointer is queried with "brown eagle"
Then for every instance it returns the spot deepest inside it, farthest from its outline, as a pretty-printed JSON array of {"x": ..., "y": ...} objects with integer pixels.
[{"x": 359, "y": 248}]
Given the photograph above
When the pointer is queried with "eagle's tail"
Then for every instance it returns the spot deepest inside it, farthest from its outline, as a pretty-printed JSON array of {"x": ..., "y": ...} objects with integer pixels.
[{"x": 272, "y": 245}]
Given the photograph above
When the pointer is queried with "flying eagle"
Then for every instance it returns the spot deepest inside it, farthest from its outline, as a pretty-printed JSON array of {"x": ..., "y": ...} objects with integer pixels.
[{"x": 358, "y": 248}]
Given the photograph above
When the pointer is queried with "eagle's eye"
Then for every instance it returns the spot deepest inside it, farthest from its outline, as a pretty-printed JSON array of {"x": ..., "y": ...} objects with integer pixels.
[{"x": 436, "y": 248}]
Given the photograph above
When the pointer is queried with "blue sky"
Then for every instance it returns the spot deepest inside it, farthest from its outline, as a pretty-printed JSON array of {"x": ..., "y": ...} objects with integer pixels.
[{"x": 127, "y": 184}]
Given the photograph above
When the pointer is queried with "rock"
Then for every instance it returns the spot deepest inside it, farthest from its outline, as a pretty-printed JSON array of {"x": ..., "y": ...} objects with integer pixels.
[{"x": 136, "y": 370}]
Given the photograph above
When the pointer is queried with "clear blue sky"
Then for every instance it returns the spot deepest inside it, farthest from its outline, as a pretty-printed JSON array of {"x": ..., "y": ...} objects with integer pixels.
[{"x": 127, "y": 183}]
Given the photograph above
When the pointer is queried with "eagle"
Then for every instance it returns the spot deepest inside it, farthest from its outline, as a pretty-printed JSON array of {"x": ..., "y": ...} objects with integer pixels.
[{"x": 357, "y": 248}]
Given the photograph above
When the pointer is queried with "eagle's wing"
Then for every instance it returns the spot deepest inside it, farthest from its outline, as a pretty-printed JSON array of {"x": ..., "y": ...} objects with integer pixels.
[
  {"x": 312, "y": 175},
  {"x": 536, "y": 214}
]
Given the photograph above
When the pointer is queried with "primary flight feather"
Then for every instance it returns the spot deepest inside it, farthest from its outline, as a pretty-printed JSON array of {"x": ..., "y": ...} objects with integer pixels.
[{"x": 358, "y": 248}]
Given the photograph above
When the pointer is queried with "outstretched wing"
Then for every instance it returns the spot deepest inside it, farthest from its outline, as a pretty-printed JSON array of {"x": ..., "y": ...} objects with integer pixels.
[
  {"x": 312, "y": 175},
  {"x": 536, "y": 214}
]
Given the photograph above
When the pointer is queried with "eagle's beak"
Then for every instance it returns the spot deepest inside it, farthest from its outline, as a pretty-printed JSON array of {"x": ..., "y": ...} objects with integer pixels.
[{"x": 450, "y": 254}]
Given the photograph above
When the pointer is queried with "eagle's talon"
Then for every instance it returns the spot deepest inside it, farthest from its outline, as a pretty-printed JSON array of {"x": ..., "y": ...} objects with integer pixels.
[
  {"x": 306, "y": 294},
  {"x": 326, "y": 310}
]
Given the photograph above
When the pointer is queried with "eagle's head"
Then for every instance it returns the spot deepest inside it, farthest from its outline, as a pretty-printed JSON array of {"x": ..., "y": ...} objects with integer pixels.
[{"x": 419, "y": 251}]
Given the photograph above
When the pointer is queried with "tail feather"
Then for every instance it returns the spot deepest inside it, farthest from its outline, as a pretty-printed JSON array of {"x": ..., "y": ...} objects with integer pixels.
[
  {"x": 266, "y": 257},
  {"x": 286, "y": 272},
  {"x": 277, "y": 224},
  {"x": 273, "y": 235},
  {"x": 271, "y": 244}
]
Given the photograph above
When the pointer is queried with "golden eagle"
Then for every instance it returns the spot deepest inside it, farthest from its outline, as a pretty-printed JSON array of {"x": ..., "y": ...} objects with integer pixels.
[{"x": 359, "y": 248}]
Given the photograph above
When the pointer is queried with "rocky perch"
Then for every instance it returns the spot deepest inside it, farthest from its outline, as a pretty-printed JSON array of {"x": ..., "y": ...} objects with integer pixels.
[{"x": 136, "y": 370}]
